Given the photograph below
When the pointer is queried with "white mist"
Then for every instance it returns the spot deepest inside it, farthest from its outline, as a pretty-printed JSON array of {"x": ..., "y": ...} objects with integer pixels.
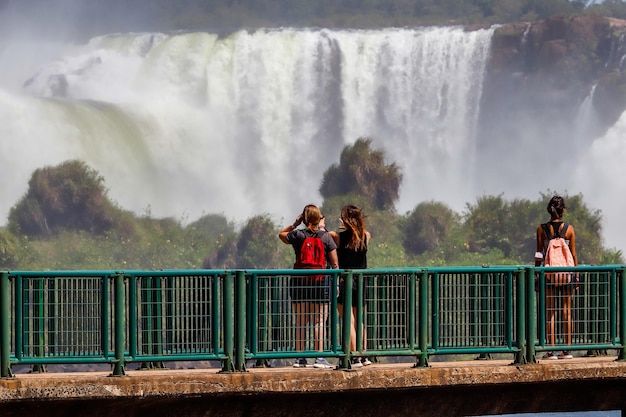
[{"x": 187, "y": 124}]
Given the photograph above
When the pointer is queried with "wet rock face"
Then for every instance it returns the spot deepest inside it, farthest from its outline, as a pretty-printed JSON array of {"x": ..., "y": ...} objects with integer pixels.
[
  {"x": 581, "y": 43},
  {"x": 549, "y": 67}
]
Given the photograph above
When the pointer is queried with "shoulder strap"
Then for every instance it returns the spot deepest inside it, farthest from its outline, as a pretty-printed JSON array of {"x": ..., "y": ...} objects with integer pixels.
[
  {"x": 546, "y": 231},
  {"x": 555, "y": 227}
]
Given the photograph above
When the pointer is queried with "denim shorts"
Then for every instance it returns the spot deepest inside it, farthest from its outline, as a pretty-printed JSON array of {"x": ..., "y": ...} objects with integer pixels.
[{"x": 310, "y": 289}]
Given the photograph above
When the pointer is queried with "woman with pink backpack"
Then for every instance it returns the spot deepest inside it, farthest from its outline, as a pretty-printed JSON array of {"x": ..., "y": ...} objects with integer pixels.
[{"x": 557, "y": 240}]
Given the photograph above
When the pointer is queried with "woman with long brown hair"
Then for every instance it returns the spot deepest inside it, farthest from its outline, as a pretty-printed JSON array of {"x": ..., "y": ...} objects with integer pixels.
[{"x": 352, "y": 243}]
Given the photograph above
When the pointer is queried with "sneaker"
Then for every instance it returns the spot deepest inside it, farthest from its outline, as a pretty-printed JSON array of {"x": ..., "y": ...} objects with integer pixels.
[
  {"x": 549, "y": 356},
  {"x": 322, "y": 363},
  {"x": 366, "y": 361},
  {"x": 356, "y": 363},
  {"x": 565, "y": 355},
  {"x": 301, "y": 363}
]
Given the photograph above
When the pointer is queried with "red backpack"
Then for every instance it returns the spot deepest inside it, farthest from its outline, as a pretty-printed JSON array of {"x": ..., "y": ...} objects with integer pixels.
[
  {"x": 557, "y": 253},
  {"x": 312, "y": 254}
]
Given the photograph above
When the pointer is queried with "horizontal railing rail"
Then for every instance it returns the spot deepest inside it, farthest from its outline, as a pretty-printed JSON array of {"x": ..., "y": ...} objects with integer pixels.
[{"x": 237, "y": 316}]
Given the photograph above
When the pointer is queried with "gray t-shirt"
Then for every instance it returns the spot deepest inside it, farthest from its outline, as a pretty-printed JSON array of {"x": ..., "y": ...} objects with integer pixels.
[{"x": 296, "y": 238}]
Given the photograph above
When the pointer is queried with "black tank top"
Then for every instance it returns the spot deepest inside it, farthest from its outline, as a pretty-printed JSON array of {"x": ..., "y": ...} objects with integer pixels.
[{"x": 350, "y": 258}]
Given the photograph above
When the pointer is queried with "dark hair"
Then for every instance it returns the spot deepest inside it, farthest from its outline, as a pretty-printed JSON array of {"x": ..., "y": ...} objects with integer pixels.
[
  {"x": 354, "y": 220},
  {"x": 556, "y": 206}
]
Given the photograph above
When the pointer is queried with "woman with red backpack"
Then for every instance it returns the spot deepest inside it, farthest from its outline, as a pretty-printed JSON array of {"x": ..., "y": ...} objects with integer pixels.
[{"x": 310, "y": 295}]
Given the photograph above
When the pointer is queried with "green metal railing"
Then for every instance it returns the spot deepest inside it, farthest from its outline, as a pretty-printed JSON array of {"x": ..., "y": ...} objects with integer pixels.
[{"x": 151, "y": 317}]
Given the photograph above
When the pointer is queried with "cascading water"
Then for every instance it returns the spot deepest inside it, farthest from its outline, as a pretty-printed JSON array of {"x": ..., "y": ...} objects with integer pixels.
[
  {"x": 186, "y": 124},
  {"x": 192, "y": 123},
  {"x": 599, "y": 173}
]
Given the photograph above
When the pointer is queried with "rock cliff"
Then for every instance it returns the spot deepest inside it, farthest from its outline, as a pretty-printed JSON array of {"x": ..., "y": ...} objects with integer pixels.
[
  {"x": 540, "y": 79},
  {"x": 552, "y": 65}
]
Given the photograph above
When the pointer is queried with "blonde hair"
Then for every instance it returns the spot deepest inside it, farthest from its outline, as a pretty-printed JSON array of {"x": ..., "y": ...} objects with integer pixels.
[{"x": 311, "y": 216}]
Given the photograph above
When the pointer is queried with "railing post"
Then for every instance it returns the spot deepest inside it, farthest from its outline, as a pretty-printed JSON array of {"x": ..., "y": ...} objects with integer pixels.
[
  {"x": 228, "y": 314},
  {"x": 5, "y": 336},
  {"x": 423, "y": 319},
  {"x": 119, "y": 324},
  {"x": 344, "y": 361},
  {"x": 622, "y": 309},
  {"x": 38, "y": 324},
  {"x": 521, "y": 315},
  {"x": 359, "y": 318},
  {"x": 240, "y": 321},
  {"x": 413, "y": 315},
  {"x": 529, "y": 316}
]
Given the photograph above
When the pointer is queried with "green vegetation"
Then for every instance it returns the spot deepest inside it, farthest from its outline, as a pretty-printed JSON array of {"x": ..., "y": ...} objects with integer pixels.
[
  {"x": 66, "y": 221},
  {"x": 96, "y": 18},
  {"x": 362, "y": 171},
  {"x": 202, "y": 15}
]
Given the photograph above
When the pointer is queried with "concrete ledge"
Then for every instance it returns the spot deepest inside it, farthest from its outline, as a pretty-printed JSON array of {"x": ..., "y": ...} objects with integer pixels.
[
  {"x": 458, "y": 389},
  {"x": 207, "y": 382}
]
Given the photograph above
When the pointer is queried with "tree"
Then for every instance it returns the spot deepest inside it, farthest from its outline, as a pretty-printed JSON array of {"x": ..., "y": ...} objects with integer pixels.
[
  {"x": 510, "y": 227},
  {"x": 363, "y": 171},
  {"x": 69, "y": 196},
  {"x": 258, "y": 245},
  {"x": 209, "y": 232},
  {"x": 588, "y": 226},
  {"x": 255, "y": 247},
  {"x": 428, "y": 226},
  {"x": 331, "y": 208},
  {"x": 486, "y": 224},
  {"x": 9, "y": 245},
  {"x": 524, "y": 216},
  {"x": 613, "y": 8}
]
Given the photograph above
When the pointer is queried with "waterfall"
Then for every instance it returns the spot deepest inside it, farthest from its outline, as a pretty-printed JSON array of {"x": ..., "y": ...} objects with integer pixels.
[
  {"x": 186, "y": 124},
  {"x": 587, "y": 122},
  {"x": 599, "y": 174}
]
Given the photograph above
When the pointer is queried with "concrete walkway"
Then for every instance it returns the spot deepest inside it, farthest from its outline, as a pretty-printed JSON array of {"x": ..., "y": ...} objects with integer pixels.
[{"x": 179, "y": 382}]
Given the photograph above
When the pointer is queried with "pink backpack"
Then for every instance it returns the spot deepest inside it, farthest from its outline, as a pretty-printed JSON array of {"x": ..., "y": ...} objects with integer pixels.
[{"x": 557, "y": 253}]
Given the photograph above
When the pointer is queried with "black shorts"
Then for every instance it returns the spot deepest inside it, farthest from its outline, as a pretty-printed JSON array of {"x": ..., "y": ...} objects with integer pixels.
[
  {"x": 570, "y": 287},
  {"x": 309, "y": 289},
  {"x": 572, "y": 283},
  {"x": 355, "y": 292}
]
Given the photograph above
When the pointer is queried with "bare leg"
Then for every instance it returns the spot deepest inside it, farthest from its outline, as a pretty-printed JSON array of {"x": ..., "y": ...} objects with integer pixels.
[
  {"x": 567, "y": 317},
  {"x": 352, "y": 326},
  {"x": 301, "y": 312},
  {"x": 320, "y": 317},
  {"x": 353, "y": 346},
  {"x": 363, "y": 334},
  {"x": 550, "y": 313}
]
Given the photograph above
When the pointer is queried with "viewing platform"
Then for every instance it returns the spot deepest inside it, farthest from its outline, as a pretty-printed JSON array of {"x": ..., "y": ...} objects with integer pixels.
[
  {"x": 461, "y": 388},
  {"x": 423, "y": 324}
]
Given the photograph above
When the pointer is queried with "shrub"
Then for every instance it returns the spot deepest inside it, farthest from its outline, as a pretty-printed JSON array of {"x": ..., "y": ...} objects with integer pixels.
[{"x": 70, "y": 196}]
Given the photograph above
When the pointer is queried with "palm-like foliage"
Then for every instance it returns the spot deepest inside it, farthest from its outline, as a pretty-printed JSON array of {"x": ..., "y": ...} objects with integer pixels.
[{"x": 363, "y": 171}]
